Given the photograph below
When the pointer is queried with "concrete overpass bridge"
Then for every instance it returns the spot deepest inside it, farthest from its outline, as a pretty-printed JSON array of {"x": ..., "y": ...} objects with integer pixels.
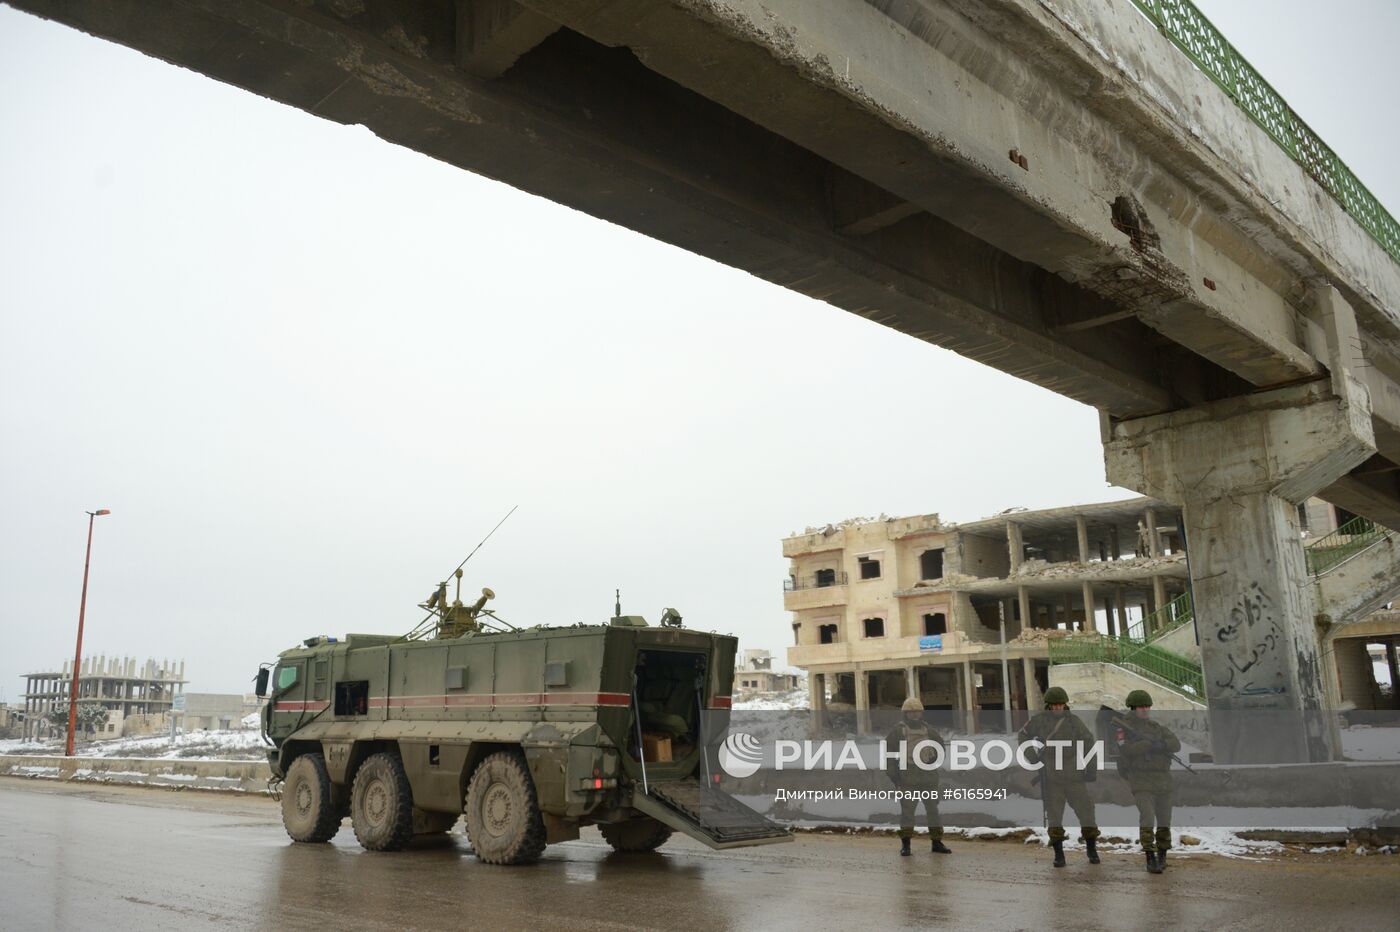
[{"x": 1055, "y": 188}]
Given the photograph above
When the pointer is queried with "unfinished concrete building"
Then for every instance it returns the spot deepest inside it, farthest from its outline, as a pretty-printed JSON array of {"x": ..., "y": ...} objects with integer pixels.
[
  {"x": 1368, "y": 669},
  {"x": 885, "y": 608},
  {"x": 755, "y": 676},
  {"x": 1090, "y": 597},
  {"x": 137, "y": 699}
]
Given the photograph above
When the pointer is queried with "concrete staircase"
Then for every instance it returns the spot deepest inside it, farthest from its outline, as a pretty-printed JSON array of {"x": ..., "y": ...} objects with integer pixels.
[
  {"x": 1355, "y": 569},
  {"x": 1145, "y": 650}
]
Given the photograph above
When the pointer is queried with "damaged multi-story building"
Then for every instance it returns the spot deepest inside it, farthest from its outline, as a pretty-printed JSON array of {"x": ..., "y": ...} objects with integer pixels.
[
  {"x": 755, "y": 675},
  {"x": 137, "y": 698},
  {"x": 1082, "y": 596}
]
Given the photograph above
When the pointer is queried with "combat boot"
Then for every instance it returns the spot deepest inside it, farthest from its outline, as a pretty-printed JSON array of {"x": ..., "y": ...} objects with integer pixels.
[
  {"x": 1059, "y": 847},
  {"x": 1152, "y": 866},
  {"x": 904, "y": 848},
  {"x": 1091, "y": 848},
  {"x": 940, "y": 848},
  {"x": 1162, "y": 858}
]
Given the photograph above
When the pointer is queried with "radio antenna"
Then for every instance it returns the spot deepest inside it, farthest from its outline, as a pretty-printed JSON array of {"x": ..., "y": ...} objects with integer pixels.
[{"x": 485, "y": 539}]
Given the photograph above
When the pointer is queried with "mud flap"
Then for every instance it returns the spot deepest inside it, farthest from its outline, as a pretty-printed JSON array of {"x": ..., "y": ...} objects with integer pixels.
[{"x": 708, "y": 815}]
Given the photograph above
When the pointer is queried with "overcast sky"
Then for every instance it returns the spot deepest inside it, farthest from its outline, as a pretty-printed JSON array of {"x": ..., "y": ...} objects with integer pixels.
[{"x": 308, "y": 371}]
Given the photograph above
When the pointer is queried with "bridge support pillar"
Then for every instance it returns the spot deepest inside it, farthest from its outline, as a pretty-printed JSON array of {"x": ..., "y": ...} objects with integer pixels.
[{"x": 1240, "y": 468}]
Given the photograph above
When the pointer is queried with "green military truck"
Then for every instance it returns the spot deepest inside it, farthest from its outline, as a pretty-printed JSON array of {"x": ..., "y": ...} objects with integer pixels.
[{"x": 529, "y": 733}]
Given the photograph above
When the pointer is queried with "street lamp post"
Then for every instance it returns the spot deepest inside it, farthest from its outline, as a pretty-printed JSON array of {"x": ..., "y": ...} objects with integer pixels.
[{"x": 78, "y": 652}]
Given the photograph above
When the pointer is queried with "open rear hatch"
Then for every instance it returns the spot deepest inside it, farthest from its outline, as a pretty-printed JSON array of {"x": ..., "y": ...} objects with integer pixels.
[{"x": 707, "y": 814}]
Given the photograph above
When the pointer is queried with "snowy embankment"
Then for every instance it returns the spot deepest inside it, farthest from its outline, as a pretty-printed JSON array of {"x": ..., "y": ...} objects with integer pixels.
[
  {"x": 793, "y": 700},
  {"x": 196, "y": 745}
]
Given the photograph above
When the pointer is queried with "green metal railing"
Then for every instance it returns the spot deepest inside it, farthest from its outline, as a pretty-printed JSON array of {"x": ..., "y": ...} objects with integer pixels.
[
  {"x": 1327, "y": 553},
  {"x": 1168, "y": 668},
  {"x": 1168, "y": 618},
  {"x": 1134, "y": 649},
  {"x": 1190, "y": 31}
]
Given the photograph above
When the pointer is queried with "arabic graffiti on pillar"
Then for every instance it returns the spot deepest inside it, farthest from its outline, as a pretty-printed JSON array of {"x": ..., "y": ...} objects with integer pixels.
[{"x": 1251, "y": 634}]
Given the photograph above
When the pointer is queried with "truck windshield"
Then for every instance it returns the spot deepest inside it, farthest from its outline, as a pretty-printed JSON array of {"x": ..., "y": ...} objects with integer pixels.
[{"x": 286, "y": 676}]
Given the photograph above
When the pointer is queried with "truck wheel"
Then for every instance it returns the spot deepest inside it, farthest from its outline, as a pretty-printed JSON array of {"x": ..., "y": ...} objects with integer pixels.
[
  {"x": 503, "y": 816},
  {"x": 644, "y": 834},
  {"x": 381, "y": 804},
  {"x": 309, "y": 810}
]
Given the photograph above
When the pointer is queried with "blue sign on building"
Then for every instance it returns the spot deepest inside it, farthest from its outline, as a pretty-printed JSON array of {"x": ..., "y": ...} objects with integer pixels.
[{"x": 932, "y": 642}]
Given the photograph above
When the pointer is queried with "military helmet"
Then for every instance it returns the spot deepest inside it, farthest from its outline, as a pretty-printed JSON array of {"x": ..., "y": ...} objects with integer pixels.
[
  {"x": 1056, "y": 695},
  {"x": 1138, "y": 697},
  {"x": 912, "y": 704}
]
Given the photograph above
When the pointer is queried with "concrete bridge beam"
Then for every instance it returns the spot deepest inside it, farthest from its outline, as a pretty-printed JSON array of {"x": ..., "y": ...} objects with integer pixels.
[{"x": 1240, "y": 468}]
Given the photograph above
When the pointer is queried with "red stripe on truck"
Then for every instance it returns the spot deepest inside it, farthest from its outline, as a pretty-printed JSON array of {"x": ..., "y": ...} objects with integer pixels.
[
  {"x": 501, "y": 699},
  {"x": 471, "y": 699},
  {"x": 290, "y": 706}
]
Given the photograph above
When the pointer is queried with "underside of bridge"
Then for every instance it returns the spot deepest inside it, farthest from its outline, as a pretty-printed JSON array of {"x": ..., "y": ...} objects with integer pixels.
[{"x": 1046, "y": 186}]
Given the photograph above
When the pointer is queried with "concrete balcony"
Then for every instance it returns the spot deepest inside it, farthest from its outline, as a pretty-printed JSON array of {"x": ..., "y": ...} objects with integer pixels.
[
  {"x": 795, "y": 600},
  {"x": 875, "y": 650}
]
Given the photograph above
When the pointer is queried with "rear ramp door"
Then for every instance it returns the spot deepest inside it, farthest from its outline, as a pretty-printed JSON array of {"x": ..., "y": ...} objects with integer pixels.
[{"x": 708, "y": 815}]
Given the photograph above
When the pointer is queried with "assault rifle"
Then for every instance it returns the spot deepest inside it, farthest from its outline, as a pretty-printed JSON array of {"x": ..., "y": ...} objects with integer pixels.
[{"x": 1132, "y": 729}]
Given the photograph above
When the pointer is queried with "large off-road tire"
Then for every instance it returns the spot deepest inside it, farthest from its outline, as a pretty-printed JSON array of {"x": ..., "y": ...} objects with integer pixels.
[
  {"x": 644, "y": 834},
  {"x": 381, "y": 803},
  {"x": 309, "y": 810},
  {"x": 503, "y": 815}
]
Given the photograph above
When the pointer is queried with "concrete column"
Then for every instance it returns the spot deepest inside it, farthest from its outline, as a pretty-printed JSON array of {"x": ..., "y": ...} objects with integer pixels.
[
  {"x": 1088, "y": 595},
  {"x": 1159, "y": 593},
  {"x": 1015, "y": 545},
  {"x": 816, "y": 691},
  {"x": 1113, "y": 542},
  {"x": 1394, "y": 673},
  {"x": 1154, "y": 541},
  {"x": 1120, "y": 606},
  {"x": 911, "y": 682},
  {"x": 970, "y": 695},
  {"x": 1023, "y": 598},
  {"x": 1240, "y": 467},
  {"x": 1034, "y": 699},
  {"x": 1082, "y": 528},
  {"x": 1108, "y": 617},
  {"x": 1069, "y": 613},
  {"x": 862, "y": 703}
]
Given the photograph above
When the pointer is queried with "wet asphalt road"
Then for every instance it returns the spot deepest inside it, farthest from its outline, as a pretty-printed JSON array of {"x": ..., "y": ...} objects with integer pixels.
[{"x": 83, "y": 857}]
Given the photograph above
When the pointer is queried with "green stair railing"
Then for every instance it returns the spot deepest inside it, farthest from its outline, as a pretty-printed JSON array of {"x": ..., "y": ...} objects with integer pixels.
[
  {"x": 1135, "y": 648},
  {"x": 1327, "y": 553},
  {"x": 1166, "y": 619},
  {"x": 1169, "y": 669},
  {"x": 1190, "y": 31}
]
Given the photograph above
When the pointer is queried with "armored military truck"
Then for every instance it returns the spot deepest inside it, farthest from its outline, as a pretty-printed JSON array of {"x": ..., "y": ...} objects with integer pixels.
[{"x": 528, "y": 733}]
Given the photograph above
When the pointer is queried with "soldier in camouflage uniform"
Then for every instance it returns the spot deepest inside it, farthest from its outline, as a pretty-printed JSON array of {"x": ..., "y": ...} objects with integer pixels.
[
  {"x": 911, "y": 730},
  {"x": 1145, "y": 750},
  {"x": 1064, "y": 783}
]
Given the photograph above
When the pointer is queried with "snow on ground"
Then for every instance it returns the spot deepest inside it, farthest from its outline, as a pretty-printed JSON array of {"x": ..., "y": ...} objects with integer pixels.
[
  {"x": 778, "y": 702},
  {"x": 196, "y": 745},
  {"x": 1193, "y": 841}
]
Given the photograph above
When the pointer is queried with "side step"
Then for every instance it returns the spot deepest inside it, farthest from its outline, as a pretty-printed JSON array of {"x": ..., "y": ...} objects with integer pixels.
[{"x": 708, "y": 815}]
